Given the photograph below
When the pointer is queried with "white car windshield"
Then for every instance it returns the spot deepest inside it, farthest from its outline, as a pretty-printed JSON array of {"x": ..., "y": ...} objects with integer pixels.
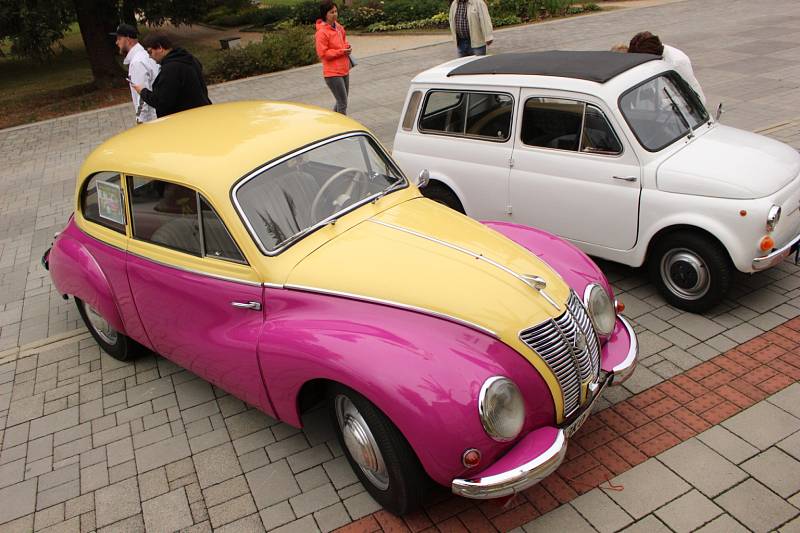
[
  {"x": 288, "y": 200},
  {"x": 662, "y": 110}
]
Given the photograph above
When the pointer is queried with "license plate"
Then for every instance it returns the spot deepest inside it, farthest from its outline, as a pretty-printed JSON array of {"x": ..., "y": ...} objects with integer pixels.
[{"x": 573, "y": 428}]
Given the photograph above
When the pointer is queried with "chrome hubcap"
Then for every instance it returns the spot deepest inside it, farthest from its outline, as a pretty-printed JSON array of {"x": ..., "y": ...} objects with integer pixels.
[
  {"x": 685, "y": 274},
  {"x": 360, "y": 442},
  {"x": 100, "y": 325}
]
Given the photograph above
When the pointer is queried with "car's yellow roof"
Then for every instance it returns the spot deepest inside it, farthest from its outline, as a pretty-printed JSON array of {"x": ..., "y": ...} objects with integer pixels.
[{"x": 209, "y": 148}]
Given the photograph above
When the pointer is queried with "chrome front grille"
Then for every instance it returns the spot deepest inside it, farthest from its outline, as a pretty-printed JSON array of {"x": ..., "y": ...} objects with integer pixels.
[{"x": 569, "y": 346}]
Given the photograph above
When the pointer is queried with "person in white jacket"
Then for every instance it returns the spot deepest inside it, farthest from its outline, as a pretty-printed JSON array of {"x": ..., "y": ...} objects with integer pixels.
[
  {"x": 470, "y": 26},
  {"x": 647, "y": 43},
  {"x": 142, "y": 70}
]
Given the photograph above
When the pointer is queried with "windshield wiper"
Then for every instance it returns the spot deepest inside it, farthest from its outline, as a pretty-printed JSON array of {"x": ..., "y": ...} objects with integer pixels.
[
  {"x": 679, "y": 112},
  {"x": 387, "y": 190}
]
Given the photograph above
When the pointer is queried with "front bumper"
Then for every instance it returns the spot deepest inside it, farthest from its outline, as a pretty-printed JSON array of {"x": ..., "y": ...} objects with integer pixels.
[
  {"x": 776, "y": 256},
  {"x": 541, "y": 451}
]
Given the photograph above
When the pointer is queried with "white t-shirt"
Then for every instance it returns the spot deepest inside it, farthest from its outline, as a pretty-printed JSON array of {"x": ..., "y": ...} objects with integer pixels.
[
  {"x": 142, "y": 70},
  {"x": 683, "y": 66}
]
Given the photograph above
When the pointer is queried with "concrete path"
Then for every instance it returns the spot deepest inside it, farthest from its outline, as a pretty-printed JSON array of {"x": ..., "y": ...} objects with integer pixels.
[{"x": 81, "y": 433}]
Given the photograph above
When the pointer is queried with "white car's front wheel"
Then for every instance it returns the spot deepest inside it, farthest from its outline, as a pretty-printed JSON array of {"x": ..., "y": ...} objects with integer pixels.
[{"x": 692, "y": 270}]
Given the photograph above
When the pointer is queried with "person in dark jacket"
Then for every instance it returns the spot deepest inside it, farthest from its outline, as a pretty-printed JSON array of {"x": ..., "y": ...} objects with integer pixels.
[{"x": 179, "y": 85}]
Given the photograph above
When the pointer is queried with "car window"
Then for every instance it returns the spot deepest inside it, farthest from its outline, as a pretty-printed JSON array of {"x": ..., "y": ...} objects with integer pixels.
[
  {"x": 662, "y": 110},
  {"x": 166, "y": 214},
  {"x": 470, "y": 114},
  {"x": 103, "y": 201},
  {"x": 288, "y": 200},
  {"x": 552, "y": 123},
  {"x": 598, "y": 136},
  {"x": 216, "y": 239},
  {"x": 411, "y": 110}
]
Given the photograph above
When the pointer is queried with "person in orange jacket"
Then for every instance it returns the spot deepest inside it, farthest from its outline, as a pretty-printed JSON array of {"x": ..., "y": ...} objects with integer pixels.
[{"x": 334, "y": 52}]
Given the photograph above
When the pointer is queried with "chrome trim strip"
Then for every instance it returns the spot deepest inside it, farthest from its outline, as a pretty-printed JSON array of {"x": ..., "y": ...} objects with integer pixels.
[
  {"x": 273, "y": 285},
  {"x": 198, "y": 272},
  {"x": 517, "y": 479},
  {"x": 247, "y": 178},
  {"x": 391, "y": 303},
  {"x": 531, "y": 281},
  {"x": 762, "y": 263},
  {"x": 623, "y": 370}
]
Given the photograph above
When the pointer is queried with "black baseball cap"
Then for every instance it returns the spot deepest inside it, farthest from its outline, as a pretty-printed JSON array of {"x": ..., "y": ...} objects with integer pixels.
[{"x": 126, "y": 30}]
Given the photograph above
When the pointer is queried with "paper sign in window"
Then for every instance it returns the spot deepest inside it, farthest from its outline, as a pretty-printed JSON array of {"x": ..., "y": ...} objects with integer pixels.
[{"x": 109, "y": 202}]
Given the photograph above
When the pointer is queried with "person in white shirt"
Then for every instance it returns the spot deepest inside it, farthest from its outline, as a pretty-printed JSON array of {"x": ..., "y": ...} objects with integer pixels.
[
  {"x": 647, "y": 43},
  {"x": 142, "y": 70}
]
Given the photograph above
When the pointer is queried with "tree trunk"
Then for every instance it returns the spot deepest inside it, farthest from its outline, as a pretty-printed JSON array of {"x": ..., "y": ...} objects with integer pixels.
[{"x": 96, "y": 20}]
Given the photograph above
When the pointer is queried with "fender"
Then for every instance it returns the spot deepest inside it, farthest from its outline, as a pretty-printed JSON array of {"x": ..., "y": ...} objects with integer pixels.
[
  {"x": 424, "y": 373},
  {"x": 577, "y": 269},
  {"x": 453, "y": 186},
  {"x": 75, "y": 272}
]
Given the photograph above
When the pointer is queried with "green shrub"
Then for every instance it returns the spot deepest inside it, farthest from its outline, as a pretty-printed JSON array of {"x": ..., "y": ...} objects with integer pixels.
[
  {"x": 439, "y": 20},
  {"x": 289, "y": 48},
  {"x": 591, "y": 6},
  {"x": 361, "y": 16},
  {"x": 400, "y": 11},
  {"x": 556, "y": 7},
  {"x": 306, "y": 12}
]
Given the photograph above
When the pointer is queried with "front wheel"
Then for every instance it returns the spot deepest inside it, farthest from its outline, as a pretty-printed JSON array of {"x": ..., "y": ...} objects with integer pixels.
[
  {"x": 112, "y": 342},
  {"x": 692, "y": 271},
  {"x": 377, "y": 451}
]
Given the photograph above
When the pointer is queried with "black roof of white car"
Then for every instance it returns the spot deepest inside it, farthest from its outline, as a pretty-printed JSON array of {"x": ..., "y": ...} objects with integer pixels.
[{"x": 593, "y": 66}]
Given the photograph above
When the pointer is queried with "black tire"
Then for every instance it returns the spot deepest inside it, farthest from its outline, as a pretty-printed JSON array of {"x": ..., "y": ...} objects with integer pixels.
[
  {"x": 443, "y": 195},
  {"x": 119, "y": 346},
  {"x": 692, "y": 271},
  {"x": 407, "y": 481}
]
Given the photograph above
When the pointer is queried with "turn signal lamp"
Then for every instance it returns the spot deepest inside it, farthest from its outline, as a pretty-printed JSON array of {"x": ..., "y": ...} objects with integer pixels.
[
  {"x": 619, "y": 306},
  {"x": 471, "y": 458},
  {"x": 767, "y": 243}
]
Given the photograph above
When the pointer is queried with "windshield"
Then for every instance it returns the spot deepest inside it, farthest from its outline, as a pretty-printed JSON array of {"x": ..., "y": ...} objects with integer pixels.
[
  {"x": 308, "y": 190},
  {"x": 662, "y": 110}
]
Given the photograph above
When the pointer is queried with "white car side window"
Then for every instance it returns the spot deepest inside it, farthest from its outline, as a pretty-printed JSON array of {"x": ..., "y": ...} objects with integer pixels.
[{"x": 468, "y": 114}]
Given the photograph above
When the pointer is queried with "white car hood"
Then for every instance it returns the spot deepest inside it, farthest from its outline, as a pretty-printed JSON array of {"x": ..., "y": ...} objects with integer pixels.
[{"x": 727, "y": 162}]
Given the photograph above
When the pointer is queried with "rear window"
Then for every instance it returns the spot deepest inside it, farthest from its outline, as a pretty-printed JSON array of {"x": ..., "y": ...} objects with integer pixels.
[{"x": 103, "y": 201}]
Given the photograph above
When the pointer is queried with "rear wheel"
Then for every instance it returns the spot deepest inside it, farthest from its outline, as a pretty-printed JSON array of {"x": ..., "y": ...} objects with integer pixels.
[
  {"x": 113, "y": 342},
  {"x": 443, "y": 195},
  {"x": 377, "y": 451},
  {"x": 692, "y": 270}
]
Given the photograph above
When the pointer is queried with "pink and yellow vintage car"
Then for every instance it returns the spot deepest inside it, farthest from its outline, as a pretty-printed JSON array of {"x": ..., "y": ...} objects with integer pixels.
[{"x": 277, "y": 251}]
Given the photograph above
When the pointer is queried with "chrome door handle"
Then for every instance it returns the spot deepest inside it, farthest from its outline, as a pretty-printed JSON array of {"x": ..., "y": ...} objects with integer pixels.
[
  {"x": 255, "y": 306},
  {"x": 625, "y": 178}
]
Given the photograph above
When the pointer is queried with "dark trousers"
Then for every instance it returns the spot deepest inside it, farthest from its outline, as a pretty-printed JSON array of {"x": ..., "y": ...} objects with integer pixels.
[
  {"x": 465, "y": 48},
  {"x": 340, "y": 87}
]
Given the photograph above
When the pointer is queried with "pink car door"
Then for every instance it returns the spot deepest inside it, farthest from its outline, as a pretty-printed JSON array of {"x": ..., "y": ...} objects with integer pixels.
[{"x": 199, "y": 300}]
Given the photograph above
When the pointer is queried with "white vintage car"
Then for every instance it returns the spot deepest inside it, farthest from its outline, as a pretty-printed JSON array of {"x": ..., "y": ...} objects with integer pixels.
[{"x": 611, "y": 151}]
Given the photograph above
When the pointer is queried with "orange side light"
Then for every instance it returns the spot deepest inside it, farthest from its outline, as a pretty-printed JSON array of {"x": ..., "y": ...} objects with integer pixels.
[
  {"x": 619, "y": 306},
  {"x": 767, "y": 243}
]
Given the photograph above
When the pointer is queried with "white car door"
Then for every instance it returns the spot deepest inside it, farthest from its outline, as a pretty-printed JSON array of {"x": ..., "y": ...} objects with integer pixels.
[
  {"x": 572, "y": 174},
  {"x": 464, "y": 137}
]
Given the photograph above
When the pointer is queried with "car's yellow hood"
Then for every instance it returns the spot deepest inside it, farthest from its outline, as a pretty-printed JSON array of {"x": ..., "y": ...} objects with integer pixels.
[{"x": 416, "y": 254}]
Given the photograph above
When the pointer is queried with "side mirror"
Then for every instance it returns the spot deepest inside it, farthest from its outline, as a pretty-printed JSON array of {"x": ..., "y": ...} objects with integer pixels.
[
  {"x": 423, "y": 179},
  {"x": 719, "y": 113}
]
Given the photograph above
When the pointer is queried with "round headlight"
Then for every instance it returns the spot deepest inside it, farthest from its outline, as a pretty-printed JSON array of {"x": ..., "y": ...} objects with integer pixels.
[
  {"x": 601, "y": 309},
  {"x": 501, "y": 408}
]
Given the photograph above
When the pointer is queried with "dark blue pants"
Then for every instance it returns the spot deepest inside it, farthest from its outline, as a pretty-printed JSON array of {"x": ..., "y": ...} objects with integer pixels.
[{"x": 465, "y": 48}]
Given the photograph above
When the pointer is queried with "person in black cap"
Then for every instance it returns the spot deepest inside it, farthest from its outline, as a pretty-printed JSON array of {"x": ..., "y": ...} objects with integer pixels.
[
  {"x": 142, "y": 70},
  {"x": 180, "y": 85}
]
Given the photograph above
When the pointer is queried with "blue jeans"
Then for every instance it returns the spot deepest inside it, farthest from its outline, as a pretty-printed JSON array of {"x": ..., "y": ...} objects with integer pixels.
[{"x": 465, "y": 48}]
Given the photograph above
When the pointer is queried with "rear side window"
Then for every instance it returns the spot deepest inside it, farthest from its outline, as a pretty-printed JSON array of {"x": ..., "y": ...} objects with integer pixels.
[
  {"x": 468, "y": 114},
  {"x": 177, "y": 217},
  {"x": 568, "y": 125},
  {"x": 103, "y": 202},
  {"x": 411, "y": 110}
]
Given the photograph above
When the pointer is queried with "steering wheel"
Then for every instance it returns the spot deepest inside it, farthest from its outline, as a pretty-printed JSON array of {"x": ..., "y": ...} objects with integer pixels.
[{"x": 340, "y": 201}]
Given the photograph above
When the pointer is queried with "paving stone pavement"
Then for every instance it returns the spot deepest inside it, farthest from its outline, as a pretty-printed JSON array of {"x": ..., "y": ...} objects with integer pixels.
[{"x": 89, "y": 443}]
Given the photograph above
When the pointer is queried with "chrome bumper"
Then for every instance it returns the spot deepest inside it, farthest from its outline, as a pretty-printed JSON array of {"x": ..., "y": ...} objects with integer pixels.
[
  {"x": 518, "y": 478},
  {"x": 625, "y": 369},
  {"x": 775, "y": 257}
]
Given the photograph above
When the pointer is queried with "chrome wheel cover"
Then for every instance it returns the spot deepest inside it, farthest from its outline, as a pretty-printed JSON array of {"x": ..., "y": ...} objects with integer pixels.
[
  {"x": 360, "y": 442},
  {"x": 100, "y": 325},
  {"x": 685, "y": 274}
]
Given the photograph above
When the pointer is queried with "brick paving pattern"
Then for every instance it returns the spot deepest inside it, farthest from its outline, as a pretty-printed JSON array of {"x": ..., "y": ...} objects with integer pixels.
[{"x": 88, "y": 443}]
